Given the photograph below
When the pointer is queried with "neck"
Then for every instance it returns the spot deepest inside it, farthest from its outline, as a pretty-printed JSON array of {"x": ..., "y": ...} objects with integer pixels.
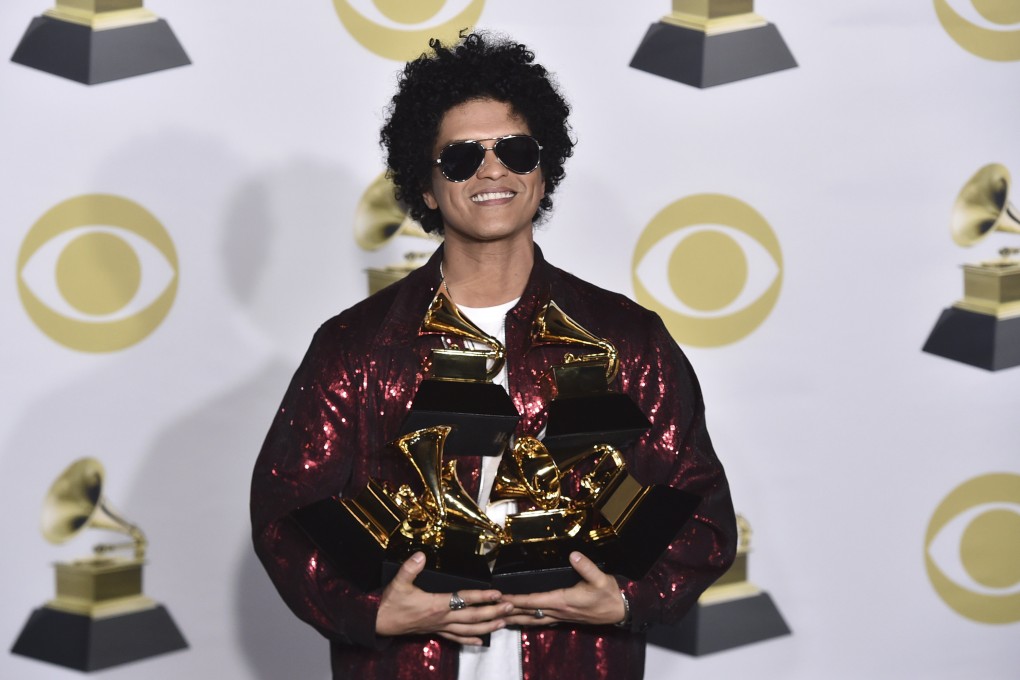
[{"x": 485, "y": 275}]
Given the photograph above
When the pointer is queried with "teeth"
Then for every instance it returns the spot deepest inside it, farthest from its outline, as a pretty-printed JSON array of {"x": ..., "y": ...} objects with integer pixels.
[{"x": 492, "y": 196}]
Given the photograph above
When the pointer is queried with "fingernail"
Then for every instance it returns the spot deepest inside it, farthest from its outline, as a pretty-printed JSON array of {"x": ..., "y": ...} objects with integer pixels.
[
  {"x": 418, "y": 558},
  {"x": 509, "y": 608},
  {"x": 501, "y": 625},
  {"x": 575, "y": 556}
]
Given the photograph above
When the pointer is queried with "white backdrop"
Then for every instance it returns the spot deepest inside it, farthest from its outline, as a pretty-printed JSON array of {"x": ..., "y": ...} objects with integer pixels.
[{"x": 840, "y": 437}]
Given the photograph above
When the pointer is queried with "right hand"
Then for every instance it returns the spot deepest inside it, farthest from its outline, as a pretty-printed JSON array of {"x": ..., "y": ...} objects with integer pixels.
[{"x": 406, "y": 609}]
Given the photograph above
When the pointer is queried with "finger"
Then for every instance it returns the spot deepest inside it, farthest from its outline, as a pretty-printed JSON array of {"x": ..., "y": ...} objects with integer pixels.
[
  {"x": 473, "y": 641},
  {"x": 473, "y": 629},
  {"x": 529, "y": 619},
  {"x": 587, "y": 569},
  {"x": 410, "y": 569},
  {"x": 480, "y": 614},
  {"x": 533, "y": 601},
  {"x": 476, "y": 597}
]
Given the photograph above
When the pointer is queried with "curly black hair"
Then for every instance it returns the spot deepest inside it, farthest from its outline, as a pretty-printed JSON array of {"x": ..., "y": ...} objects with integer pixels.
[{"x": 480, "y": 66}]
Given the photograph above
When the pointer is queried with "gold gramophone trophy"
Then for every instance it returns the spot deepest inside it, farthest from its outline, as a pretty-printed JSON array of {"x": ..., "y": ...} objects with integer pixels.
[
  {"x": 99, "y": 617},
  {"x": 733, "y": 611},
  {"x": 711, "y": 42},
  {"x": 983, "y": 329},
  {"x": 621, "y": 524},
  {"x": 380, "y": 218},
  {"x": 95, "y": 41},
  {"x": 458, "y": 388},
  {"x": 584, "y": 411},
  {"x": 369, "y": 535}
]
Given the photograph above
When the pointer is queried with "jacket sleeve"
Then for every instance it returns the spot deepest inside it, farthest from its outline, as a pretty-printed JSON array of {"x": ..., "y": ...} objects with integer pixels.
[
  {"x": 308, "y": 455},
  {"x": 677, "y": 451}
]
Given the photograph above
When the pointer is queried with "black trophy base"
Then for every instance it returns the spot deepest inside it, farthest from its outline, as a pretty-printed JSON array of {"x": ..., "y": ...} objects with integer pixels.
[
  {"x": 86, "y": 644},
  {"x": 444, "y": 573},
  {"x": 578, "y": 423},
  {"x": 652, "y": 526},
  {"x": 539, "y": 567},
  {"x": 482, "y": 415},
  {"x": 694, "y": 58},
  {"x": 343, "y": 541},
  {"x": 977, "y": 339},
  {"x": 79, "y": 53},
  {"x": 715, "y": 627}
]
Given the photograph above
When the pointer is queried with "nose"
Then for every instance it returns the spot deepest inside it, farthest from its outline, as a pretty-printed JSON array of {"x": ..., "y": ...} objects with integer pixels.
[{"x": 491, "y": 168}]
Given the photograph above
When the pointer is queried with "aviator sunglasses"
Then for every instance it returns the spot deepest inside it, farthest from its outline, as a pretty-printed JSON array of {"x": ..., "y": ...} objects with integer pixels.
[{"x": 517, "y": 153}]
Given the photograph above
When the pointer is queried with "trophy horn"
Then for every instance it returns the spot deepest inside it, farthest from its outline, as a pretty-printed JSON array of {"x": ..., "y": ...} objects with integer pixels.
[
  {"x": 445, "y": 318},
  {"x": 424, "y": 448},
  {"x": 528, "y": 471},
  {"x": 552, "y": 326},
  {"x": 379, "y": 217},
  {"x": 983, "y": 206},
  {"x": 75, "y": 501},
  {"x": 460, "y": 505}
]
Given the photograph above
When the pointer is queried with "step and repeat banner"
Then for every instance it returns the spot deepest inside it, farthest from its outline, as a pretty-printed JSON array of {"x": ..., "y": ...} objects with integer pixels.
[{"x": 815, "y": 197}]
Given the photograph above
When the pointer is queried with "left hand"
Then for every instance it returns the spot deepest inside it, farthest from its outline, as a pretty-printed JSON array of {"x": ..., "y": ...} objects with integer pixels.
[{"x": 595, "y": 600}]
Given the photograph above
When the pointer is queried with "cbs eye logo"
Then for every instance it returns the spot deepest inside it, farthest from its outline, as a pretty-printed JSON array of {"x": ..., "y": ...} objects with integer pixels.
[
  {"x": 401, "y": 30},
  {"x": 989, "y": 29},
  {"x": 972, "y": 549},
  {"x": 97, "y": 273},
  {"x": 711, "y": 266}
]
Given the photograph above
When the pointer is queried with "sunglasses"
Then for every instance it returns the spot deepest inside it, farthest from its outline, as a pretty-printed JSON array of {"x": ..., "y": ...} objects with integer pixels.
[{"x": 517, "y": 153}]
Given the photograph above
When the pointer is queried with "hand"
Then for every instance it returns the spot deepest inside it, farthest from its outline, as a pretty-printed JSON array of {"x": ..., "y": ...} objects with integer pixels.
[
  {"x": 406, "y": 609},
  {"x": 595, "y": 600}
]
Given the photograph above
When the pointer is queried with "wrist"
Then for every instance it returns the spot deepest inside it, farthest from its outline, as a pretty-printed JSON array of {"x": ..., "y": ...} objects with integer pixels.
[{"x": 625, "y": 622}]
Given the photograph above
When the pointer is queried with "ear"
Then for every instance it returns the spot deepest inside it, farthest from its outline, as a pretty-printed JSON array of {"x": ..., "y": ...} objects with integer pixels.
[{"x": 430, "y": 199}]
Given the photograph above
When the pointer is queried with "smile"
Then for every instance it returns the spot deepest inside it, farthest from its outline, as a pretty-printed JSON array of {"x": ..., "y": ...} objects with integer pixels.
[{"x": 492, "y": 196}]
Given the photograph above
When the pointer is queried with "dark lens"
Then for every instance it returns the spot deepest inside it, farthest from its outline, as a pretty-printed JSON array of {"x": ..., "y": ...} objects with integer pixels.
[
  {"x": 460, "y": 160},
  {"x": 519, "y": 154}
]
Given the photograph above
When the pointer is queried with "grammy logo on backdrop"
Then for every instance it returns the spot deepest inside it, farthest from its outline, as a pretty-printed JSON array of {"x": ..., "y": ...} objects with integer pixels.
[
  {"x": 380, "y": 218},
  {"x": 733, "y": 612},
  {"x": 99, "y": 617},
  {"x": 95, "y": 41},
  {"x": 712, "y": 42},
  {"x": 983, "y": 329}
]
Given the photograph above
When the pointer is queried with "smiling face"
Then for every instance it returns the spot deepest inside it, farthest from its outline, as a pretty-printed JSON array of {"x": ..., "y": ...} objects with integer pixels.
[{"x": 494, "y": 204}]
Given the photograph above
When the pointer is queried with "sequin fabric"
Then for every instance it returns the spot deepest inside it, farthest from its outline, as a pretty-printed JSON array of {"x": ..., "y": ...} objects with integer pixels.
[{"x": 349, "y": 397}]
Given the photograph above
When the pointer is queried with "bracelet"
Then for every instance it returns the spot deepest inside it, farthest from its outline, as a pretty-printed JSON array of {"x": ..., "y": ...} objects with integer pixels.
[{"x": 626, "y": 612}]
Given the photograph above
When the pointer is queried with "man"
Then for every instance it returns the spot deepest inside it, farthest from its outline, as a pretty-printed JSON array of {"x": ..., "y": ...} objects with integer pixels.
[{"x": 476, "y": 140}]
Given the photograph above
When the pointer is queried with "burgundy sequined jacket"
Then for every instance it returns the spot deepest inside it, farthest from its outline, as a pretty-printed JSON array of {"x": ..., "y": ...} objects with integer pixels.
[{"x": 348, "y": 399}]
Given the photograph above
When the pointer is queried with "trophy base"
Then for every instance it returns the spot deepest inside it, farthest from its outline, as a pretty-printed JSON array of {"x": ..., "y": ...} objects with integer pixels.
[
  {"x": 717, "y": 626},
  {"x": 695, "y": 58},
  {"x": 482, "y": 416},
  {"x": 87, "y": 644},
  {"x": 578, "y": 423},
  {"x": 89, "y": 56},
  {"x": 981, "y": 340},
  {"x": 539, "y": 567},
  {"x": 651, "y": 526}
]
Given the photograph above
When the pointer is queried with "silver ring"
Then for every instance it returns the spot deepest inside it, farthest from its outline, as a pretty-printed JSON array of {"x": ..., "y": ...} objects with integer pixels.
[
  {"x": 457, "y": 602},
  {"x": 539, "y": 614}
]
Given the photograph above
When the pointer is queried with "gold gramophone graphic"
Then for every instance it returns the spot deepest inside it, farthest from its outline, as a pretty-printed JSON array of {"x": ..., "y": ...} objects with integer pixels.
[
  {"x": 380, "y": 218},
  {"x": 584, "y": 411},
  {"x": 99, "y": 617},
  {"x": 731, "y": 613},
  {"x": 983, "y": 329},
  {"x": 95, "y": 41},
  {"x": 711, "y": 42},
  {"x": 458, "y": 388}
]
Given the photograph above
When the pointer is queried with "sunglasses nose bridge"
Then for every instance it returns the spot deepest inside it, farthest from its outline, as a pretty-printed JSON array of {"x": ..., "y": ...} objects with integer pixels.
[{"x": 488, "y": 164}]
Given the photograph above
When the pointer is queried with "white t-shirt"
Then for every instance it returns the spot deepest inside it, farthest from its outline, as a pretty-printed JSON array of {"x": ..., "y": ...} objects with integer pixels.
[{"x": 501, "y": 660}]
